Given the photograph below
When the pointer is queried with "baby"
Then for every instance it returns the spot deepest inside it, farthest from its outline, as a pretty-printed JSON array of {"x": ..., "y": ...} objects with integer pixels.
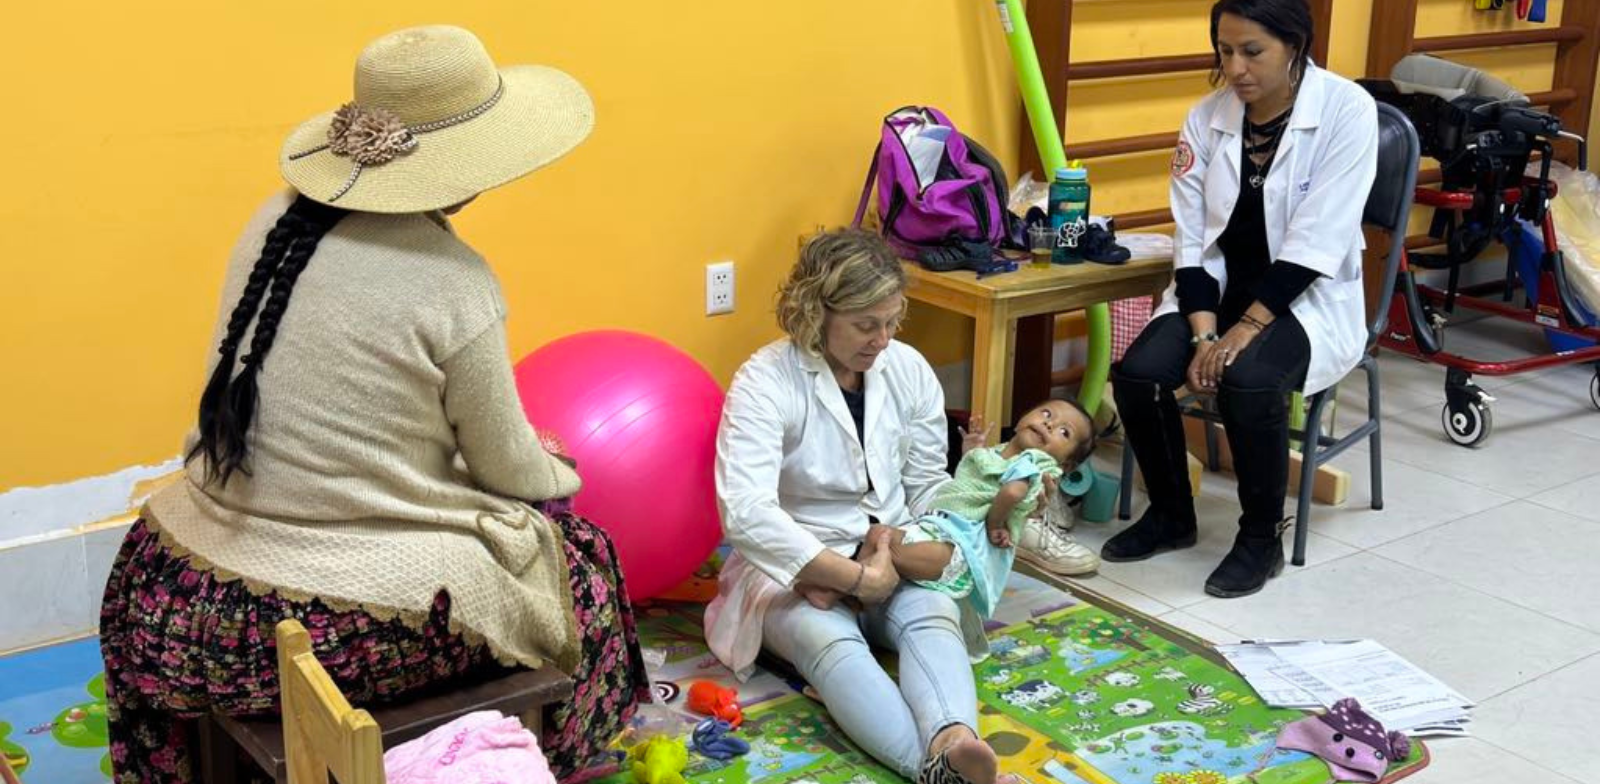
[{"x": 963, "y": 545}]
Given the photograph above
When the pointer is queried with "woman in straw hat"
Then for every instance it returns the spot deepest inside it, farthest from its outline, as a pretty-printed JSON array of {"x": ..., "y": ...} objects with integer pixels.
[{"x": 361, "y": 460}]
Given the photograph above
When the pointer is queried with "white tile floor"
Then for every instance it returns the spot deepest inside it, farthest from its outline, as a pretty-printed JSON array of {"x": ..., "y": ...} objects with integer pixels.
[{"x": 1483, "y": 568}]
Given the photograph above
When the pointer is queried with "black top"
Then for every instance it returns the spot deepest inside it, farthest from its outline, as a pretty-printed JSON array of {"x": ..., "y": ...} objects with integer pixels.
[
  {"x": 857, "y": 403},
  {"x": 1252, "y": 275}
]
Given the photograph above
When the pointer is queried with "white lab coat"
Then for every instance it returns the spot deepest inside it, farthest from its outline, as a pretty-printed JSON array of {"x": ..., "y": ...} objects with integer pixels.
[
  {"x": 792, "y": 477},
  {"x": 1315, "y": 193}
]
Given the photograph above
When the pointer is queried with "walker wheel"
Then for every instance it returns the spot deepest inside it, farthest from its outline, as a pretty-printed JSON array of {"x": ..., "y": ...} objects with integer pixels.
[{"x": 1468, "y": 425}]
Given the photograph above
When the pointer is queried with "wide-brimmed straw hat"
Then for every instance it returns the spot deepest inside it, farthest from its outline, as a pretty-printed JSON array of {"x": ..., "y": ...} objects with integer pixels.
[{"x": 434, "y": 123}]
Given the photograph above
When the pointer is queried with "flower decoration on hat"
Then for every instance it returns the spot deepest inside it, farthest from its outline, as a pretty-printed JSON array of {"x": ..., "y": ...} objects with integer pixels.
[
  {"x": 369, "y": 137},
  {"x": 414, "y": 82},
  {"x": 372, "y": 136}
]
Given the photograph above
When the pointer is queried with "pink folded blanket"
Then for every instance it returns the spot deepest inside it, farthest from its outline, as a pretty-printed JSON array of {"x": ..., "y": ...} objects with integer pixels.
[{"x": 478, "y": 748}]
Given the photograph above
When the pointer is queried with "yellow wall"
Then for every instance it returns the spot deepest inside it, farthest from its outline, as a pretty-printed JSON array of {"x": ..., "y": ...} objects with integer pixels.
[
  {"x": 139, "y": 137},
  {"x": 142, "y": 136},
  {"x": 1114, "y": 29},
  {"x": 1100, "y": 109}
]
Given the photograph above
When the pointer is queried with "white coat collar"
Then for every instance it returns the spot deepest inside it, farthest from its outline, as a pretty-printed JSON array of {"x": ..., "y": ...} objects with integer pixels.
[
  {"x": 826, "y": 389},
  {"x": 1229, "y": 114},
  {"x": 813, "y": 363}
]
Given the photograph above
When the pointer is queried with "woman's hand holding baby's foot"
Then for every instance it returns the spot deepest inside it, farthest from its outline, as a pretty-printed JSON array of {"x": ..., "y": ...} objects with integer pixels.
[
  {"x": 878, "y": 537},
  {"x": 878, "y": 575}
]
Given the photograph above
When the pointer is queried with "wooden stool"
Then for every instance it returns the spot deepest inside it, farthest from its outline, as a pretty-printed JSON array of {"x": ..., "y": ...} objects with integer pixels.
[{"x": 523, "y": 693}]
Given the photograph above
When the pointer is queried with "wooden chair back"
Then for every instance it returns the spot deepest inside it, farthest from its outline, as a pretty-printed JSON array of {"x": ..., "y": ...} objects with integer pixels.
[{"x": 322, "y": 734}]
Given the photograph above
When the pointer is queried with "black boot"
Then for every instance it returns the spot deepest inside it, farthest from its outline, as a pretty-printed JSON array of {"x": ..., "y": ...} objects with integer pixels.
[
  {"x": 1153, "y": 533},
  {"x": 1257, "y": 423},
  {"x": 1246, "y": 568},
  {"x": 1153, "y": 427}
]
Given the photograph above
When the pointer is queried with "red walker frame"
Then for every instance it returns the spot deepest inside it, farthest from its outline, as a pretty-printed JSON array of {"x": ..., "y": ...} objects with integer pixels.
[{"x": 1466, "y": 417}]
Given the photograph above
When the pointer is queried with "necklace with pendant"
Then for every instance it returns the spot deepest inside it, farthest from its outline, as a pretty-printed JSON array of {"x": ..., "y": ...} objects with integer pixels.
[
  {"x": 1269, "y": 134},
  {"x": 1260, "y": 177}
]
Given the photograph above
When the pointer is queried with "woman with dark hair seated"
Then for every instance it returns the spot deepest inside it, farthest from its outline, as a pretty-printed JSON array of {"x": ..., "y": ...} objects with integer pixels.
[
  {"x": 1268, "y": 185},
  {"x": 361, "y": 462}
]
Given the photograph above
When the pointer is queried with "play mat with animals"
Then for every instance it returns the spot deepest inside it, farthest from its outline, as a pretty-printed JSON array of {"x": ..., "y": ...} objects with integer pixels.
[
  {"x": 53, "y": 715},
  {"x": 1074, "y": 693}
]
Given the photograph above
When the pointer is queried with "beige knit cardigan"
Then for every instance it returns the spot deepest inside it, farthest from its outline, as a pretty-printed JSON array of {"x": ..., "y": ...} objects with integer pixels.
[{"x": 389, "y": 459}]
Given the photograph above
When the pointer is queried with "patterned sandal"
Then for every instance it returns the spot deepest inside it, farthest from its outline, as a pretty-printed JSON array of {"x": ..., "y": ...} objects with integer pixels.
[{"x": 938, "y": 770}]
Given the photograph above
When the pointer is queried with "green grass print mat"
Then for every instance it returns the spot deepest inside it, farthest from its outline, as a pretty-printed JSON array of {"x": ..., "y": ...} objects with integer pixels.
[{"x": 1075, "y": 692}]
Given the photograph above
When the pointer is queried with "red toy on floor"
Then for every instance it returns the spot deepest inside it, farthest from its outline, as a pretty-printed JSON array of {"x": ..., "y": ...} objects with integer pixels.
[{"x": 709, "y": 699}]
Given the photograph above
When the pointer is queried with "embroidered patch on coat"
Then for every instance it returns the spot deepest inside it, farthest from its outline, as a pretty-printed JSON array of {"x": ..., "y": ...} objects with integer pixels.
[{"x": 1182, "y": 159}]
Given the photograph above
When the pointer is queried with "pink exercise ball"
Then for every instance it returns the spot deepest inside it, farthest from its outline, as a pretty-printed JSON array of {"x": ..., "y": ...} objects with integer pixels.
[{"x": 640, "y": 418}]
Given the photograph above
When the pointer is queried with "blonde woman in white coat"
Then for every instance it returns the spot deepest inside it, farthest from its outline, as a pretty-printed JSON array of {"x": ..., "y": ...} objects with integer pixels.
[
  {"x": 1268, "y": 185},
  {"x": 829, "y": 438}
]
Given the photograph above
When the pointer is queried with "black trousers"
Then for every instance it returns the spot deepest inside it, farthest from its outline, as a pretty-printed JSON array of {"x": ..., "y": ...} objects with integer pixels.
[{"x": 1253, "y": 402}]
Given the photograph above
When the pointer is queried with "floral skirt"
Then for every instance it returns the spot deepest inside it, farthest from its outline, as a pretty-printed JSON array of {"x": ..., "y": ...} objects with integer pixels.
[{"x": 178, "y": 643}]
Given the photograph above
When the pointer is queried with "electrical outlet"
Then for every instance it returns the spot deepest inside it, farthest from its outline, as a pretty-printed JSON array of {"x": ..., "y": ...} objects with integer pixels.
[{"x": 719, "y": 288}]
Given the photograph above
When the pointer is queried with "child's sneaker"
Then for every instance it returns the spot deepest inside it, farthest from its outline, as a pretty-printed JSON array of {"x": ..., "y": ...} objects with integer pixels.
[{"x": 1048, "y": 548}]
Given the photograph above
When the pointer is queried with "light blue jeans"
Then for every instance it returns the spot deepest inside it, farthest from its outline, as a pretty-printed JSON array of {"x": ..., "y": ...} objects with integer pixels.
[{"x": 894, "y": 723}]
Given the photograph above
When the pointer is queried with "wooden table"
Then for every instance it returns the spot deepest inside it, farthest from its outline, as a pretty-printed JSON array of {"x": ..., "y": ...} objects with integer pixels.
[{"x": 997, "y": 302}]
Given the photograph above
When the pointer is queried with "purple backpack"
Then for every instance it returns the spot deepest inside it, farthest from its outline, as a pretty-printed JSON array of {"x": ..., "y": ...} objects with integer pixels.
[{"x": 936, "y": 187}]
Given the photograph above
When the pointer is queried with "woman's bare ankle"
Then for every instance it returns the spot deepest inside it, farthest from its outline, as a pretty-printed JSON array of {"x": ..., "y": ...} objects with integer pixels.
[
  {"x": 973, "y": 759},
  {"x": 949, "y": 735}
]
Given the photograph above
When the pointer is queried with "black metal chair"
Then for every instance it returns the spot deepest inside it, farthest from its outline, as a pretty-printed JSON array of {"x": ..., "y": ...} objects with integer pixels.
[{"x": 1388, "y": 208}]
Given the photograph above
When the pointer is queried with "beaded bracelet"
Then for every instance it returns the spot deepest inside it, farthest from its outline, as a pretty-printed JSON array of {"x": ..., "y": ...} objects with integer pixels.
[{"x": 1209, "y": 337}]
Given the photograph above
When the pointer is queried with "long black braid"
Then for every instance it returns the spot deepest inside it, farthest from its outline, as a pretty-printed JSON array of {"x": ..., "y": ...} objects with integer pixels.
[{"x": 228, "y": 405}]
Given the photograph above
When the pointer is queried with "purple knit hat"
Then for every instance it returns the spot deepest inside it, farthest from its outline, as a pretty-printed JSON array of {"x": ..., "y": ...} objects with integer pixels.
[{"x": 1351, "y": 742}]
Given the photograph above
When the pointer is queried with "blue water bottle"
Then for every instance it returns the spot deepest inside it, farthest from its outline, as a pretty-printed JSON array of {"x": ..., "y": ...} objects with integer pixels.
[{"x": 1069, "y": 213}]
